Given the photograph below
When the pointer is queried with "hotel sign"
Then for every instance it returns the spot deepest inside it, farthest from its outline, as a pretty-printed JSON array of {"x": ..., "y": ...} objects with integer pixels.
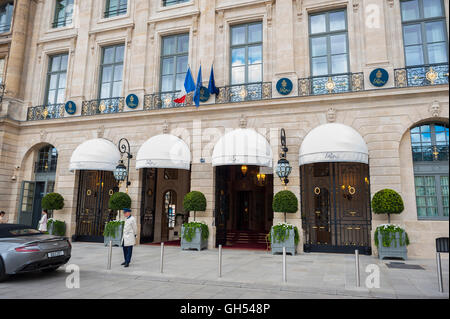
[
  {"x": 379, "y": 77},
  {"x": 132, "y": 101},
  {"x": 284, "y": 86},
  {"x": 71, "y": 107}
]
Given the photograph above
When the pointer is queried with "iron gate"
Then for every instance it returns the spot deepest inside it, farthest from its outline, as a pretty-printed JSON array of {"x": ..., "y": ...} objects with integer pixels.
[{"x": 336, "y": 211}]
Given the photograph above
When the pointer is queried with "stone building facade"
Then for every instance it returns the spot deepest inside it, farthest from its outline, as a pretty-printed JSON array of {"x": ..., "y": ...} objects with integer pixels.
[{"x": 78, "y": 33}]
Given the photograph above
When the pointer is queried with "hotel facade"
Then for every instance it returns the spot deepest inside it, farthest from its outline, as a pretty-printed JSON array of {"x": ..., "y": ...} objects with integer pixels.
[{"x": 359, "y": 87}]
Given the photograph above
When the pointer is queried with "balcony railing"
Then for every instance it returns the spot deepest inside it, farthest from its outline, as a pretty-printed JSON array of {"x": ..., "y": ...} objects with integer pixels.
[
  {"x": 45, "y": 112},
  {"x": 103, "y": 106},
  {"x": 61, "y": 22},
  {"x": 244, "y": 93},
  {"x": 113, "y": 12},
  {"x": 45, "y": 167},
  {"x": 423, "y": 75},
  {"x": 339, "y": 83},
  {"x": 165, "y": 100}
]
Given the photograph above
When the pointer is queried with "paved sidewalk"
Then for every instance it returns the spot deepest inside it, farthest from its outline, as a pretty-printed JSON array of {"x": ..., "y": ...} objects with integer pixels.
[{"x": 245, "y": 274}]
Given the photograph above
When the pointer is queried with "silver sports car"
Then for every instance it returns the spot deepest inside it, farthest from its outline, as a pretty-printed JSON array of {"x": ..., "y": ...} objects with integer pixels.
[{"x": 23, "y": 249}]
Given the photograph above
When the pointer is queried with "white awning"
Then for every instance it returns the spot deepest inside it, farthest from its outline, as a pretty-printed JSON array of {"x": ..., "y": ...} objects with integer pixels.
[
  {"x": 242, "y": 147},
  {"x": 164, "y": 151},
  {"x": 333, "y": 142},
  {"x": 98, "y": 155}
]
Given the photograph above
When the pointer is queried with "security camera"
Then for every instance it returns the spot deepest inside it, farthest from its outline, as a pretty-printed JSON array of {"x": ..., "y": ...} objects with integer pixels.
[{"x": 17, "y": 167}]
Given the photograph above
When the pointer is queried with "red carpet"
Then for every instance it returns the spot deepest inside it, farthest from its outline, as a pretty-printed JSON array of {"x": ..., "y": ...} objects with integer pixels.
[{"x": 175, "y": 243}]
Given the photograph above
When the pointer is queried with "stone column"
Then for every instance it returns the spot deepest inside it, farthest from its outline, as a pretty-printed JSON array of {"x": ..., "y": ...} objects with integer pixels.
[{"x": 17, "y": 50}]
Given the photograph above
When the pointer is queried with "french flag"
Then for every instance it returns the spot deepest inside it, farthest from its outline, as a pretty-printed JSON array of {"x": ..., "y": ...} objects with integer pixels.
[{"x": 189, "y": 86}]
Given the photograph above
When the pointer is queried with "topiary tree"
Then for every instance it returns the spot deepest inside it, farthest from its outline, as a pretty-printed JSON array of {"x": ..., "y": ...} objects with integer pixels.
[
  {"x": 119, "y": 201},
  {"x": 285, "y": 202},
  {"x": 52, "y": 201},
  {"x": 194, "y": 201},
  {"x": 387, "y": 201}
]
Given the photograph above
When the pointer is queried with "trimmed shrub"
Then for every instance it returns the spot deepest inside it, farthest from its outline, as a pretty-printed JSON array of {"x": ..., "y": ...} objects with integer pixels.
[
  {"x": 285, "y": 202},
  {"x": 387, "y": 201},
  {"x": 194, "y": 201},
  {"x": 52, "y": 201},
  {"x": 119, "y": 201}
]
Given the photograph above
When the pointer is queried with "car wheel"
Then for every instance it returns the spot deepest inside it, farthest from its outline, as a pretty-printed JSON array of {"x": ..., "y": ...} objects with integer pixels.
[
  {"x": 3, "y": 275},
  {"x": 50, "y": 269}
]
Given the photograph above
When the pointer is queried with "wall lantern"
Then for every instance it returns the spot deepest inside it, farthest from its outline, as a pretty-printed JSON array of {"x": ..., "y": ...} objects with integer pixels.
[
  {"x": 283, "y": 169},
  {"x": 244, "y": 169},
  {"x": 121, "y": 173}
]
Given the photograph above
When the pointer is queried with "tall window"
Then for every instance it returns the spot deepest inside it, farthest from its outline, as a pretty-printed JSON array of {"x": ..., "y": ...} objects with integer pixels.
[
  {"x": 111, "y": 71},
  {"x": 2, "y": 69},
  {"x": 167, "y": 3},
  {"x": 424, "y": 32},
  {"x": 246, "y": 53},
  {"x": 56, "y": 79},
  {"x": 63, "y": 13},
  {"x": 115, "y": 8},
  {"x": 6, "y": 13},
  {"x": 47, "y": 159},
  {"x": 170, "y": 205},
  {"x": 329, "y": 43},
  {"x": 174, "y": 62},
  {"x": 430, "y": 146}
]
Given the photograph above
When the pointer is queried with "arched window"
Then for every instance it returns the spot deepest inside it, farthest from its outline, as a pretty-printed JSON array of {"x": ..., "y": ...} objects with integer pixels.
[
  {"x": 47, "y": 160},
  {"x": 170, "y": 205},
  {"x": 430, "y": 146}
]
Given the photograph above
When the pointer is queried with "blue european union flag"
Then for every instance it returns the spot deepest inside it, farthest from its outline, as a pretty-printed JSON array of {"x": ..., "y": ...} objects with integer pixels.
[
  {"x": 197, "y": 89},
  {"x": 212, "y": 83},
  {"x": 189, "y": 83}
]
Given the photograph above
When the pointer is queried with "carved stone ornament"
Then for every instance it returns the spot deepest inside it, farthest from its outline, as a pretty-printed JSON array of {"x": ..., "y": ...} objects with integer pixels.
[
  {"x": 43, "y": 134},
  {"x": 166, "y": 127},
  {"x": 243, "y": 122},
  {"x": 331, "y": 115},
  {"x": 435, "y": 109},
  {"x": 100, "y": 131}
]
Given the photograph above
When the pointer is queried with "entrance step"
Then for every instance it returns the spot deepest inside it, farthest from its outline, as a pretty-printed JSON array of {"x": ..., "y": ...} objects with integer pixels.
[{"x": 250, "y": 238}]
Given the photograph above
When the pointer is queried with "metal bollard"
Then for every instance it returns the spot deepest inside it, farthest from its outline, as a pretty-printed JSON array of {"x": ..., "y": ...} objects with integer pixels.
[
  {"x": 108, "y": 267},
  {"x": 439, "y": 272},
  {"x": 358, "y": 282},
  {"x": 161, "y": 269},
  {"x": 220, "y": 261},
  {"x": 284, "y": 265}
]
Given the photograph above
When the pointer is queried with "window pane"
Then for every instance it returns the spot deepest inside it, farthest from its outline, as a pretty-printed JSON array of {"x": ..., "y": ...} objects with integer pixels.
[
  {"x": 51, "y": 97},
  {"x": 432, "y": 8},
  {"x": 238, "y": 35},
  {"x": 55, "y": 63},
  {"x": 182, "y": 62},
  {"x": 320, "y": 66},
  {"x": 437, "y": 53},
  {"x": 338, "y": 44},
  {"x": 337, "y": 21},
  {"x": 410, "y": 10},
  {"x": 117, "y": 89},
  {"x": 107, "y": 74},
  {"x": 61, "y": 96},
  {"x": 414, "y": 55},
  {"x": 255, "y": 73},
  {"x": 167, "y": 83},
  {"x": 426, "y": 138},
  {"x": 169, "y": 45},
  {"x": 412, "y": 34},
  {"x": 318, "y": 23},
  {"x": 108, "y": 55},
  {"x": 255, "y": 55},
  {"x": 255, "y": 33},
  {"x": 119, "y": 53},
  {"x": 238, "y": 75},
  {"x": 118, "y": 70},
  {"x": 62, "y": 81},
  {"x": 105, "y": 90},
  {"x": 339, "y": 64},
  {"x": 435, "y": 31},
  {"x": 64, "y": 62},
  {"x": 183, "y": 44},
  {"x": 238, "y": 57},
  {"x": 53, "y": 81},
  {"x": 180, "y": 82},
  {"x": 319, "y": 46},
  {"x": 168, "y": 64}
]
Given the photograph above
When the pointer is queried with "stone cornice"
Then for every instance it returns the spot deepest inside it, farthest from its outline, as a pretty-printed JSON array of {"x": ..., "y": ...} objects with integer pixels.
[
  {"x": 124, "y": 26},
  {"x": 174, "y": 17},
  {"x": 241, "y": 4}
]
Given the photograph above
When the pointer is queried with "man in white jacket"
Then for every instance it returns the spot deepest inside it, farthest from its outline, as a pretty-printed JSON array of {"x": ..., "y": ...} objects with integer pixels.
[{"x": 129, "y": 236}]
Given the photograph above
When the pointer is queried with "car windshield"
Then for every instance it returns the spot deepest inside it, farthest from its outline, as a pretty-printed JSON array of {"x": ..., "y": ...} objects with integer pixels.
[
  {"x": 24, "y": 232},
  {"x": 8, "y": 231}
]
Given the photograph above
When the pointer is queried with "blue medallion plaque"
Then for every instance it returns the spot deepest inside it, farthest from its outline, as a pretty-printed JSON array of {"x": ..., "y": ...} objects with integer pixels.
[
  {"x": 204, "y": 94},
  {"x": 132, "y": 101},
  {"x": 379, "y": 77},
  {"x": 284, "y": 86},
  {"x": 71, "y": 107}
]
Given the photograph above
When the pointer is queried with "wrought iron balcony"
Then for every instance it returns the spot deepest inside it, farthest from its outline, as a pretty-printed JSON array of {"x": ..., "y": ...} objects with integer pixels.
[
  {"x": 245, "y": 92},
  {"x": 103, "y": 106},
  {"x": 61, "y": 22},
  {"x": 165, "y": 100},
  {"x": 422, "y": 75},
  {"x": 339, "y": 83},
  {"x": 45, "y": 112},
  {"x": 113, "y": 12},
  {"x": 45, "y": 167}
]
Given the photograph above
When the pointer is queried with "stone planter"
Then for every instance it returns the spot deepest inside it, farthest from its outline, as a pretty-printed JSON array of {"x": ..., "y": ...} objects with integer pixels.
[
  {"x": 395, "y": 250},
  {"x": 117, "y": 239},
  {"x": 51, "y": 230},
  {"x": 289, "y": 243},
  {"x": 196, "y": 243}
]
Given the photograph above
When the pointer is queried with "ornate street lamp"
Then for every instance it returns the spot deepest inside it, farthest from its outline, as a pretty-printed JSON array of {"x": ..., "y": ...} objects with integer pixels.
[
  {"x": 122, "y": 172},
  {"x": 283, "y": 169}
]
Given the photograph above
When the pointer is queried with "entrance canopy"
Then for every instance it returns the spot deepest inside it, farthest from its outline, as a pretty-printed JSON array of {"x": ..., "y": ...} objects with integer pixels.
[
  {"x": 242, "y": 147},
  {"x": 333, "y": 142},
  {"x": 98, "y": 155},
  {"x": 164, "y": 151}
]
